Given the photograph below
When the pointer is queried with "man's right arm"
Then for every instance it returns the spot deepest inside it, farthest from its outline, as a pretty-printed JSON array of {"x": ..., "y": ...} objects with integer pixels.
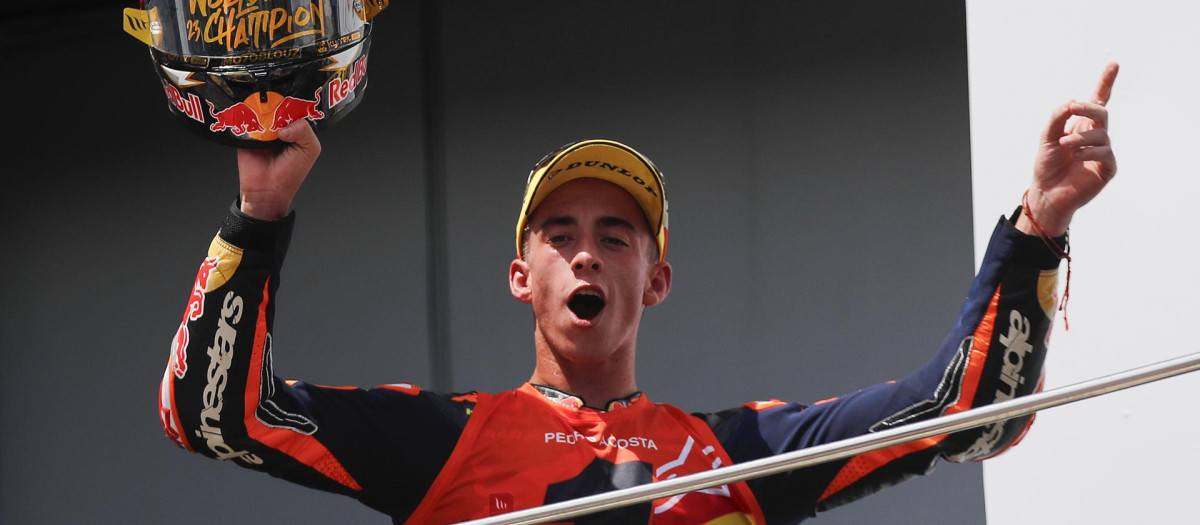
[{"x": 219, "y": 395}]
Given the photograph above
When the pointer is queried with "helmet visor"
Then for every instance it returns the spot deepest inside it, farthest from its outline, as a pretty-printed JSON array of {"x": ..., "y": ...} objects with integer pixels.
[{"x": 252, "y": 30}]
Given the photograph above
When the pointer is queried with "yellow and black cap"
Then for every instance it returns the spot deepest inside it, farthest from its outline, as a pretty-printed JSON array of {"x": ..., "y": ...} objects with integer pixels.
[{"x": 605, "y": 160}]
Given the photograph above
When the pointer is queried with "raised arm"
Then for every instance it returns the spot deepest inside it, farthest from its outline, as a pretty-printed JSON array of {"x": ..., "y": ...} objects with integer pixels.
[
  {"x": 994, "y": 352},
  {"x": 220, "y": 397}
]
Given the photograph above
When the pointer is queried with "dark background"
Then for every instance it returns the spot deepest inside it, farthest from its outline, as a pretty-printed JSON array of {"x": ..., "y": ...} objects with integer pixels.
[{"x": 817, "y": 162}]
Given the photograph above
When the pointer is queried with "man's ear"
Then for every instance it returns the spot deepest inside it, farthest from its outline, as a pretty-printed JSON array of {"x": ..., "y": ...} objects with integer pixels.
[
  {"x": 659, "y": 284},
  {"x": 518, "y": 280}
]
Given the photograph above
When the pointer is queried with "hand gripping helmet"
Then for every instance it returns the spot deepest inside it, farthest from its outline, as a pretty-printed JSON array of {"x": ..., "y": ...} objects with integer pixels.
[{"x": 236, "y": 71}]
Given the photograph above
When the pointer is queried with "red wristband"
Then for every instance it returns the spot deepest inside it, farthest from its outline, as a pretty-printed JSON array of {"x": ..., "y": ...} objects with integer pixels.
[{"x": 1054, "y": 247}]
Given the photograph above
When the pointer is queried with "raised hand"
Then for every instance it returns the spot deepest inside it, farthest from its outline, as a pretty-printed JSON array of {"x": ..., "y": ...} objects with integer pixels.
[
  {"x": 270, "y": 178},
  {"x": 1074, "y": 161}
]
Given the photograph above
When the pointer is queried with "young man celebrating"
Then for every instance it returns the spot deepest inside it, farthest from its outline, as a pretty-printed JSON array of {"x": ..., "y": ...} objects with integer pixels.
[{"x": 591, "y": 241}]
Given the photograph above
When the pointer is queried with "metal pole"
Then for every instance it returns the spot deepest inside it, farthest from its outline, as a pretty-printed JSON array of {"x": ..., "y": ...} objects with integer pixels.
[{"x": 849, "y": 447}]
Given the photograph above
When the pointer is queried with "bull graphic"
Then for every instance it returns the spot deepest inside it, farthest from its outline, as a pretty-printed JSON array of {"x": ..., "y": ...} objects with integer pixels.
[
  {"x": 291, "y": 109},
  {"x": 238, "y": 118}
]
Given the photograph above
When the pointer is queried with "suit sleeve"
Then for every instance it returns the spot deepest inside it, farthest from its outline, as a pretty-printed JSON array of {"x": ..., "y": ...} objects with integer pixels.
[
  {"x": 219, "y": 396},
  {"x": 994, "y": 352}
]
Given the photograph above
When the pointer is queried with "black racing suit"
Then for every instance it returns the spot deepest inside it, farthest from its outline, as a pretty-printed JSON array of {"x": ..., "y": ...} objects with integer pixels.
[{"x": 220, "y": 397}]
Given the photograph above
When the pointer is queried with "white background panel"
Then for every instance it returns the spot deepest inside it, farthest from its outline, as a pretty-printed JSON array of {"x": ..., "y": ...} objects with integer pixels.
[{"x": 1129, "y": 457}]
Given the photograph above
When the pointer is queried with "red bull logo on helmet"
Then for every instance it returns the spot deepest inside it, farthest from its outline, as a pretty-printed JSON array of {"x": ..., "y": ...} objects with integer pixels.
[
  {"x": 291, "y": 109},
  {"x": 340, "y": 88},
  {"x": 189, "y": 106},
  {"x": 239, "y": 119},
  {"x": 261, "y": 115}
]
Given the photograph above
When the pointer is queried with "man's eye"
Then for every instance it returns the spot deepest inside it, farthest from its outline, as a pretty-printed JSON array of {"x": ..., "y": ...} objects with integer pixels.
[
  {"x": 555, "y": 239},
  {"x": 614, "y": 241}
]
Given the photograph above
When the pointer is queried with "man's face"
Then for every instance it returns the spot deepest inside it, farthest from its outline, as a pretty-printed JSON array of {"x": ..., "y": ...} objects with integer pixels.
[{"x": 590, "y": 269}]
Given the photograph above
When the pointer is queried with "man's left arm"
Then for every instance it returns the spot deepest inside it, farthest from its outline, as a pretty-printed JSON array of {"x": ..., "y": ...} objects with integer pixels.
[{"x": 994, "y": 352}]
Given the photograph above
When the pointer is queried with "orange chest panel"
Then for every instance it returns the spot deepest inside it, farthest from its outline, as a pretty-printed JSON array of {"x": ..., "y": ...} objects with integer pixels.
[{"x": 521, "y": 450}]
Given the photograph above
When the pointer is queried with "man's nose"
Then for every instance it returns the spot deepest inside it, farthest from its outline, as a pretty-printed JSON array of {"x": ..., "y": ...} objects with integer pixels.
[{"x": 586, "y": 259}]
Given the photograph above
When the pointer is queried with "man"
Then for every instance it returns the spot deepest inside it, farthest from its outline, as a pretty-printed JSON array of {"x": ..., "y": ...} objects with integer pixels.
[{"x": 591, "y": 241}]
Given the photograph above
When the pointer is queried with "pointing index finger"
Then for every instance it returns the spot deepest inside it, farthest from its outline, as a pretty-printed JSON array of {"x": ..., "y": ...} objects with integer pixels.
[{"x": 1104, "y": 90}]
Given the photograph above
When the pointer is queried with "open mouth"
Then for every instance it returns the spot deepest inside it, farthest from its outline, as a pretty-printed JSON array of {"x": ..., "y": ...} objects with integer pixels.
[{"x": 586, "y": 304}]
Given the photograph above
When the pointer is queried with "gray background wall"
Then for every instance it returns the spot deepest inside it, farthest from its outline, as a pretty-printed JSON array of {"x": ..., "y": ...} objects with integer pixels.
[{"x": 817, "y": 159}]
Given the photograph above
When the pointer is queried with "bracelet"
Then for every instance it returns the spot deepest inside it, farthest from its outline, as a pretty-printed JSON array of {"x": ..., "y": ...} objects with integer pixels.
[{"x": 1058, "y": 250}]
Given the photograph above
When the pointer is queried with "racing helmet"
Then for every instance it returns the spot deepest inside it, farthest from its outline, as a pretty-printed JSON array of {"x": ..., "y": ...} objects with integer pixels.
[{"x": 236, "y": 71}]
